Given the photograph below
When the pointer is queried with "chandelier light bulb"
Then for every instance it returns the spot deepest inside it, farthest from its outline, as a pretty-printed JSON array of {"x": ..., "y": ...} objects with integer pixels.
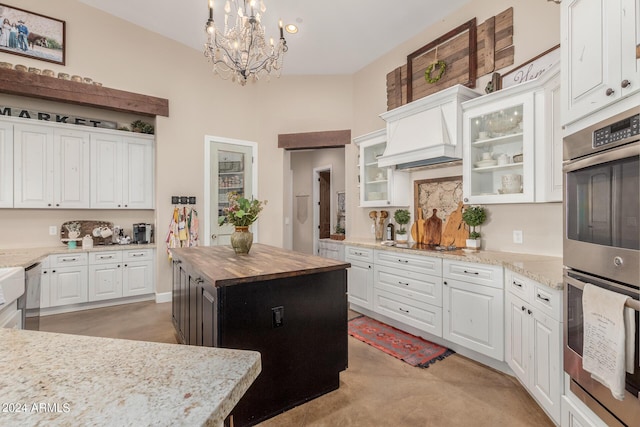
[{"x": 227, "y": 7}]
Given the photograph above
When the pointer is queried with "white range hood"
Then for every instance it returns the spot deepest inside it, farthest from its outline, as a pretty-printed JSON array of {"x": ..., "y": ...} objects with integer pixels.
[{"x": 426, "y": 131}]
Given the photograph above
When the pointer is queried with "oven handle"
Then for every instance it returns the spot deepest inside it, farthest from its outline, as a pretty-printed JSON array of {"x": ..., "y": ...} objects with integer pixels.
[
  {"x": 625, "y": 151},
  {"x": 631, "y": 303}
]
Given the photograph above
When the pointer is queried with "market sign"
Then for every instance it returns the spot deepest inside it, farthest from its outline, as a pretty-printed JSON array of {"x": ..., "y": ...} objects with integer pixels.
[{"x": 56, "y": 117}]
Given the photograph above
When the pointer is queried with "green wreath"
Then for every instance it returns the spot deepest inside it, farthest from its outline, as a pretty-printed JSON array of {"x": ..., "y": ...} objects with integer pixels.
[{"x": 427, "y": 73}]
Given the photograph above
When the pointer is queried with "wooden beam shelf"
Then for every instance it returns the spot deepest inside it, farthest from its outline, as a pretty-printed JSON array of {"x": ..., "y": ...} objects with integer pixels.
[{"x": 53, "y": 89}]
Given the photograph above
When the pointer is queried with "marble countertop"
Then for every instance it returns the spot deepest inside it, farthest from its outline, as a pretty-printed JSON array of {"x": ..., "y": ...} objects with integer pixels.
[
  {"x": 56, "y": 379},
  {"x": 25, "y": 257},
  {"x": 546, "y": 270}
]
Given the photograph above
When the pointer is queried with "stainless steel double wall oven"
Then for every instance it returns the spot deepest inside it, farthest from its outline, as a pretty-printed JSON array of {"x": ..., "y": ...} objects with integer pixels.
[{"x": 602, "y": 246}]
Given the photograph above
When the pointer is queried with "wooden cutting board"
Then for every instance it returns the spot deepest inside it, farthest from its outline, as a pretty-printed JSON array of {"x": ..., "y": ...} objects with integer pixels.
[
  {"x": 433, "y": 229},
  {"x": 417, "y": 227},
  {"x": 454, "y": 231}
]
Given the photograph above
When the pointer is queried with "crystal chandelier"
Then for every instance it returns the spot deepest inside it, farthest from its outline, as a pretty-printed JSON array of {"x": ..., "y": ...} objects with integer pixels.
[{"x": 241, "y": 52}]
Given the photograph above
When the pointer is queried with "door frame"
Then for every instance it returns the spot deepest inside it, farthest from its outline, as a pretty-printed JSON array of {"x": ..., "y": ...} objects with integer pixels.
[
  {"x": 316, "y": 201},
  {"x": 208, "y": 141}
]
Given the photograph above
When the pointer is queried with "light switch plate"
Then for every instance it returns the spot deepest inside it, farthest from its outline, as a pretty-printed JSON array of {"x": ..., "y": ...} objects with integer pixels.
[
  {"x": 517, "y": 236},
  {"x": 53, "y": 230}
]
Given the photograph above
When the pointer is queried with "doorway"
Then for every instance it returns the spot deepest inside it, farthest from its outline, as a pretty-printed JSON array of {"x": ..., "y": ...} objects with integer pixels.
[
  {"x": 324, "y": 204},
  {"x": 230, "y": 167}
]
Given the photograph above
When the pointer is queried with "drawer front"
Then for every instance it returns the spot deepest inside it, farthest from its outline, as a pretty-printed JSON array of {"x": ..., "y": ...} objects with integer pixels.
[
  {"x": 68, "y": 260},
  {"x": 518, "y": 285},
  {"x": 105, "y": 257},
  {"x": 417, "y": 263},
  {"x": 417, "y": 286},
  {"x": 482, "y": 274},
  {"x": 357, "y": 253},
  {"x": 329, "y": 245},
  {"x": 137, "y": 255},
  {"x": 425, "y": 317},
  {"x": 547, "y": 300}
]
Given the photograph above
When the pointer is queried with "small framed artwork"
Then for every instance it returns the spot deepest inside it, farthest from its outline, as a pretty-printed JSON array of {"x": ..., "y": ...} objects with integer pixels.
[
  {"x": 533, "y": 68},
  {"x": 32, "y": 35}
]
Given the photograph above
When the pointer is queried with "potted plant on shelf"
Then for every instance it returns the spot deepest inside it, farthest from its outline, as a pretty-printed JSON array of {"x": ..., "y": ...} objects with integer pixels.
[
  {"x": 339, "y": 234},
  {"x": 474, "y": 216},
  {"x": 402, "y": 217},
  {"x": 241, "y": 213}
]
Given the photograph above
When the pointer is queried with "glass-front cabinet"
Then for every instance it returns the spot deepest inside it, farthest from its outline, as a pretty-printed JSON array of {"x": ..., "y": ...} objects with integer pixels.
[
  {"x": 498, "y": 155},
  {"x": 231, "y": 177},
  {"x": 379, "y": 186}
]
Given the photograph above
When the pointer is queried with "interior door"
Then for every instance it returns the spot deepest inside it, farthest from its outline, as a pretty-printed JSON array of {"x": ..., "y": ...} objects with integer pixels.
[
  {"x": 325, "y": 204},
  {"x": 231, "y": 171}
]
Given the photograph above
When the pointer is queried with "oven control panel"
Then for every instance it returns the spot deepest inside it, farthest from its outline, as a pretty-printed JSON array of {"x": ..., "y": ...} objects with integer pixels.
[{"x": 617, "y": 131}]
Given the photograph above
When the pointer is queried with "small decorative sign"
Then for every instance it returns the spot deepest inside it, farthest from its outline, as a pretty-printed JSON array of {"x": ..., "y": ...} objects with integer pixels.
[
  {"x": 55, "y": 117},
  {"x": 532, "y": 69}
]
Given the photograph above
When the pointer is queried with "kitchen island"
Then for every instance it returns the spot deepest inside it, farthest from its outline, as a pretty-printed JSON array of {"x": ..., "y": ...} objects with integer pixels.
[
  {"x": 289, "y": 306},
  {"x": 57, "y": 379}
]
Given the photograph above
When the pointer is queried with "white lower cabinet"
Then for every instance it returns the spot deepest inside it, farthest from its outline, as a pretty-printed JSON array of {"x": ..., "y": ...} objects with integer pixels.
[
  {"x": 575, "y": 416},
  {"x": 97, "y": 276},
  {"x": 333, "y": 249},
  {"x": 473, "y": 309},
  {"x": 405, "y": 292},
  {"x": 67, "y": 277},
  {"x": 534, "y": 340},
  {"x": 360, "y": 276}
]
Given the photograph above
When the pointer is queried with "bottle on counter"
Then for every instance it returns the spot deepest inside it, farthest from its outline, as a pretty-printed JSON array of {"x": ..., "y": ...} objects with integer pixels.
[{"x": 390, "y": 232}]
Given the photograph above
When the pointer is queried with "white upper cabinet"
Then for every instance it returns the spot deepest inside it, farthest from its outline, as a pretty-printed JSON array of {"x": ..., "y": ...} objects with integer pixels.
[
  {"x": 512, "y": 144},
  {"x": 121, "y": 172},
  {"x": 71, "y": 168},
  {"x": 33, "y": 167},
  {"x": 380, "y": 186},
  {"x": 6, "y": 165},
  {"x": 599, "y": 39}
]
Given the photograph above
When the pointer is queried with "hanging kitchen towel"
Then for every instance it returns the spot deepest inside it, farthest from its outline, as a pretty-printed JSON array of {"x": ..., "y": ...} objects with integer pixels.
[
  {"x": 172, "y": 235},
  {"x": 193, "y": 228},
  {"x": 604, "y": 337}
]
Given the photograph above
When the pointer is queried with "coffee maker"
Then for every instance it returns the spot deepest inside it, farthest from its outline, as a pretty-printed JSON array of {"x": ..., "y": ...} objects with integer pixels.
[{"x": 142, "y": 233}]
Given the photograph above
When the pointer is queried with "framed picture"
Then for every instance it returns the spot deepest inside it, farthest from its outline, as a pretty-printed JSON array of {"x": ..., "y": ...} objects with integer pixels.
[
  {"x": 533, "y": 68},
  {"x": 32, "y": 35}
]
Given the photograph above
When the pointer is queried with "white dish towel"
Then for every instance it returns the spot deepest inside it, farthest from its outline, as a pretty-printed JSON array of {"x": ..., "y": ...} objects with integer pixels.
[{"x": 606, "y": 339}]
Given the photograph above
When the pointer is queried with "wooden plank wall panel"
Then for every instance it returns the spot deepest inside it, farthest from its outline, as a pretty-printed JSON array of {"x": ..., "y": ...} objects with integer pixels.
[
  {"x": 44, "y": 87},
  {"x": 495, "y": 51}
]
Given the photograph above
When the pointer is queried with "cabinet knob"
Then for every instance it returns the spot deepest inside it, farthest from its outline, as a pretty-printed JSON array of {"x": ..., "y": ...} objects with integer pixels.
[
  {"x": 53, "y": 271},
  {"x": 126, "y": 206},
  {"x": 529, "y": 311},
  {"x": 466, "y": 200},
  {"x": 214, "y": 236},
  {"x": 57, "y": 204},
  {"x": 48, "y": 204},
  {"x": 625, "y": 83},
  {"x": 119, "y": 206},
  {"x": 610, "y": 92},
  {"x": 118, "y": 265},
  {"x": 523, "y": 308},
  {"x": 126, "y": 265},
  {"x": 445, "y": 283}
]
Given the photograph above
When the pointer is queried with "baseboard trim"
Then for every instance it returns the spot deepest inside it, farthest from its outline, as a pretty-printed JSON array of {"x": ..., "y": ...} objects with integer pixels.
[
  {"x": 163, "y": 297},
  {"x": 90, "y": 305}
]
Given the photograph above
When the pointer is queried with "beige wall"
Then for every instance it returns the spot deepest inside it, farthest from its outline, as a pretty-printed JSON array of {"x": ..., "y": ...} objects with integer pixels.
[
  {"x": 302, "y": 165},
  {"x": 541, "y": 223},
  {"x": 126, "y": 57}
]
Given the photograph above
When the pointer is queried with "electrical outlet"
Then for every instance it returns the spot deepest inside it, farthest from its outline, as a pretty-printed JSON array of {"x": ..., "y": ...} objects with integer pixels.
[
  {"x": 517, "y": 236},
  {"x": 53, "y": 230}
]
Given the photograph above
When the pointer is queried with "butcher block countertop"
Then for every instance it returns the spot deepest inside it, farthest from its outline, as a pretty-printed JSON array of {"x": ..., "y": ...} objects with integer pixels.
[
  {"x": 220, "y": 265},
  {"x": 546, "y": 270},
  {"x": 61, "y": 380}
]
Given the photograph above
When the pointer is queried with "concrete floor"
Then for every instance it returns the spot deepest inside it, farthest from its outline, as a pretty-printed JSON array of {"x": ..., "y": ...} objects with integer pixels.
[{"x": 376, "y": 389}]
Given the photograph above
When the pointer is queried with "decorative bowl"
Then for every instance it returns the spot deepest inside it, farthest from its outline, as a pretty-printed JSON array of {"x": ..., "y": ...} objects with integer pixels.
[
  {"x": 6, "y": 65},
  {"x": 76, "y": 79},
  {"x": 63, "y": 76},
  {"x": 35, "y": 70},
  {"x": 48, "y": 73},
  {"x": 20, "y": 67},
  {"x": 517, "y": 158}
]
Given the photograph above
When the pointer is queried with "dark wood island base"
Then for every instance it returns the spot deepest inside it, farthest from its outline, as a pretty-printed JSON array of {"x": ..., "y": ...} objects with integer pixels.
[{"x": 290, "y": 307}]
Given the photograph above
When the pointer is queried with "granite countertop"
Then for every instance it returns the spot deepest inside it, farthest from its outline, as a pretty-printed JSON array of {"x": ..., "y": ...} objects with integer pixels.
[
  {"x": 25, "y": 257},
  {"x": 220, "y": 265},
  {"x": 546, "y": 270},
  {"x": 56, "y": 379}
]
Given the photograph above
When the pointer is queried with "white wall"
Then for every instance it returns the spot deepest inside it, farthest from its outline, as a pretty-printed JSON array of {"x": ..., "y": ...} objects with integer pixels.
[{"x": 536, "y": 29}]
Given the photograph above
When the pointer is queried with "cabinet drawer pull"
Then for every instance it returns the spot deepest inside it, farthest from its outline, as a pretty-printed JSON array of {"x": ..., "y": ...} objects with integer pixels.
[
  {"x": 543, "y": 298},
  {"x": 609, "y": 92},
  {"x": 199, "y": 280},
  {"x": 403, "y": 310},
  {"x": 470, "y": 272},
  {"x": 523, "y": 308},
  {"x": 625, "y": 83},
  {"x": 105, "y": 257},
  {"x": 403, "y": 283},
  {"x": 69, "y": 259},
  {"x": 517, "y": 284},
  {"x": 137, "y": 255},
  {"x": 403, "y": 260},
  {"x": 529, "y": 311}
]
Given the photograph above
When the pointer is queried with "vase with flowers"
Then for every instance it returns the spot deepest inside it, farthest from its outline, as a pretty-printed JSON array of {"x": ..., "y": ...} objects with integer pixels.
[{"x": 241, "y": 213}]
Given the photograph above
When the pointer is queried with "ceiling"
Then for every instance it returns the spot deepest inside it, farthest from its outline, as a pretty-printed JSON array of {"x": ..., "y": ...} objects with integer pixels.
[{"x": 334, "y": 37}]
